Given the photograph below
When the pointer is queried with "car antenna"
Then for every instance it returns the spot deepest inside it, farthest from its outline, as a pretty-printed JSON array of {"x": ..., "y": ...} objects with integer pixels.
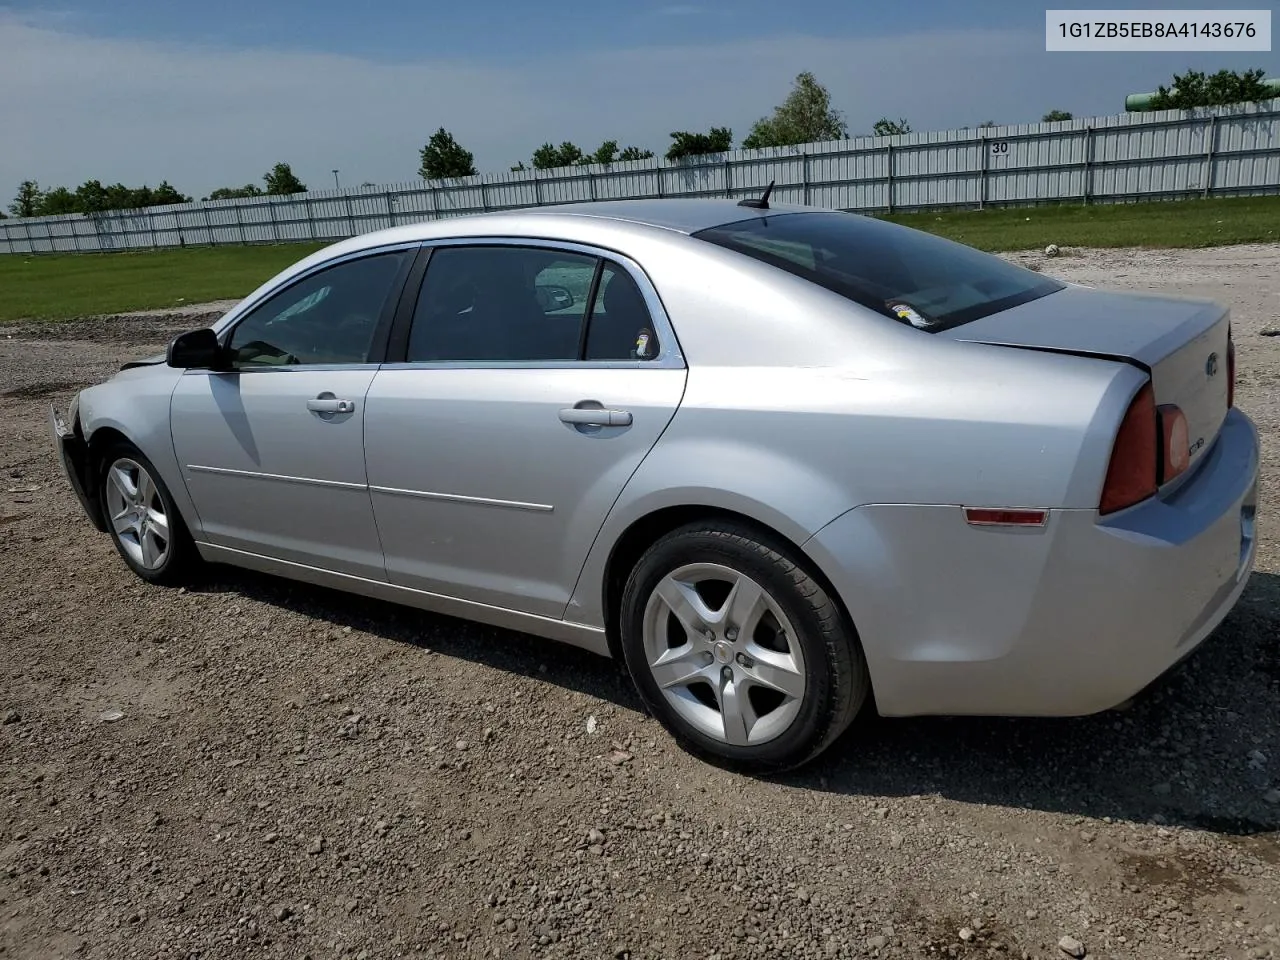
[{"x": 760, "y": 204}]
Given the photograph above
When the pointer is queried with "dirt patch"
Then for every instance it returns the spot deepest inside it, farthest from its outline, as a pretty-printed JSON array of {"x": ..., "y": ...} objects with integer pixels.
[
  {"x": 251, "y": 767},
  {"x": 40, "y": 389},
  {"x": 1188, "y": 876}
]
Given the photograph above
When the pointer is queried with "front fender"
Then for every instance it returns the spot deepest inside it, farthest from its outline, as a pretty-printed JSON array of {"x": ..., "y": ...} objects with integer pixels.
[{"x": 136, "y": 405}]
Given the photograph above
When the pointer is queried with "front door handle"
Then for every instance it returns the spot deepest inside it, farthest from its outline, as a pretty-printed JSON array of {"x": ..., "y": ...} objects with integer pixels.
[
  {"x": 330, "y": 404},
  {"x": 595, "y": 417}
]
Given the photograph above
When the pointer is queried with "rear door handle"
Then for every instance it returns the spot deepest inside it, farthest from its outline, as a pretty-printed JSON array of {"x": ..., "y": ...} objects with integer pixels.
[
  {"x": 330, "y": 404},
  {"x": 595, "y": 417}
]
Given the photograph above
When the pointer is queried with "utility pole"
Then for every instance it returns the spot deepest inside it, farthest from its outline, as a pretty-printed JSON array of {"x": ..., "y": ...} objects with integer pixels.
[{"x": 336, "y": 185}]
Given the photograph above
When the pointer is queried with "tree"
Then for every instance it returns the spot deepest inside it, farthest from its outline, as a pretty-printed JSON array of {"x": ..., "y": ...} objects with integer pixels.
[
  {"x": 235, "y": 193},
  {"x": 91, "y": 197},
  {"x": 634, "y": 153},
  {"x": 1053, "y": 116},
  {"x": 685, "y": 144},
  {"x": 28, "y": 201},
  {"x": 806, "y": 116},
  {"x": 58, "y": 201},
  {"x": 1196, "y": 89},
  {"x": 280, "y": 181},
  {"x": 884, "y": 127},
  {"x": 165, "y": 193},
  {"x": 518, "y": 167},
  {"x": 444, "y": 158},
  {"x": 547, "y": 156},
  {"x": 986, "y": 124}
]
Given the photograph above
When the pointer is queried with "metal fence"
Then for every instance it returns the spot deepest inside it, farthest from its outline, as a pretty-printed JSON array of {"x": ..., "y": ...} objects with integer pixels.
[{"x": 1163, "y": 155}]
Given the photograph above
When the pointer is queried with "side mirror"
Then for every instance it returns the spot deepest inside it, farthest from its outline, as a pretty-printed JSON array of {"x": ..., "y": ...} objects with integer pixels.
[
  {"x": 195, "y": 349},
  {"x": 552, "y": 297}
]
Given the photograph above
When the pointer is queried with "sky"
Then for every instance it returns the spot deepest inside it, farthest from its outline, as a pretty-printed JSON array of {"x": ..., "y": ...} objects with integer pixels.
[{"x": 209, "y": 94}]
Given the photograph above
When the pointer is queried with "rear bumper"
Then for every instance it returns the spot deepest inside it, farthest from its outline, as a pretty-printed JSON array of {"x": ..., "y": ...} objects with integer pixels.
[
  {"x": 1068, "y": 619},
  {"x": 73, "y": 456}
]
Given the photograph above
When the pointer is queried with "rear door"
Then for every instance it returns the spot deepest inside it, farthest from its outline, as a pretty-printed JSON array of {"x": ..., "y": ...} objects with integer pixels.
[
  {"x": 533, "y": 380},
  {"x": 272, "y": 450}
]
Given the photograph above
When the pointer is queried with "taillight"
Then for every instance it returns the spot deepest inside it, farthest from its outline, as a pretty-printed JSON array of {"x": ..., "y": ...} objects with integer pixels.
[
  {"x": 1175, "y": 449},
  {"x": 1131, "y": 474},
  {"x": 1231, "y": 370}
]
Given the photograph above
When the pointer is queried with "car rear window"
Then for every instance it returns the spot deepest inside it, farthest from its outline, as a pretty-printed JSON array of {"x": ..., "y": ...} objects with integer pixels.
[{"x": 908, "y": 275}]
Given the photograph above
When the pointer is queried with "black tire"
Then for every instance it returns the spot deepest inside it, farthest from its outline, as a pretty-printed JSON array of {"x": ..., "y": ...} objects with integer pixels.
[
  {"x": 182, "y": 558},
  {"x": 834, "y": 669}
]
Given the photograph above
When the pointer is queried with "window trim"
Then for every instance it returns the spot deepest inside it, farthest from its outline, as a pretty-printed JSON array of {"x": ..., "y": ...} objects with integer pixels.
[
  {"x": 669, "y": 353},
  {"x": 381, "y": 335}
]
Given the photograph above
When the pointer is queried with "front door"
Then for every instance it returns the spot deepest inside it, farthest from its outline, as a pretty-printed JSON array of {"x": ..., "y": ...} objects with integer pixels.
[
  {"x": 272, "y": 450},
  {"x": 534, "y": 384}
]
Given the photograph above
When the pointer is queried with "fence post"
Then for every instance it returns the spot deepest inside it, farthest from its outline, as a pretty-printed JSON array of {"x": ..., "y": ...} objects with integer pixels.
[
  {"x": 888, "y": 169},
  {"x": 151, "y": 228},
  {"x": 351, "y": 218},
  {"x": 391, "y": 208},
  {"x": 591, "y": 182},
  {"x": 1088, "y": 163},
  {"x": 1211, "y": 136},
  {"x": 275, "y": 226},
  {"x": 208, "y": 227},
  {"x": 986, "y": 163},
  {"x": 240, "y": 224},
  {"x": 660, "y": 170},
  {"x": 728, "y": 180},
  {"x": 537, "y": 188},
  {"x": 804, "y": 166},
  {"x": 311, "y": 219}
]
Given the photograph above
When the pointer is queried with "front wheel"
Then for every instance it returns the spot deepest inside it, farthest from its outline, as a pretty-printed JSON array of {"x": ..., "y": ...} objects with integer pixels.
[
  {"x": 141, "y": 517},
  {"x": 738, "y": 650}
]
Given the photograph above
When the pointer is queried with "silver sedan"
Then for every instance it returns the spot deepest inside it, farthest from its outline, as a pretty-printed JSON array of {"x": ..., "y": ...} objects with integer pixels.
[{"x": 785, "y": 463}]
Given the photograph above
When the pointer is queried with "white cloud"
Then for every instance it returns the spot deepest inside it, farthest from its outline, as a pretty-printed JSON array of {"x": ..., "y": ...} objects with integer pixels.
[{"x": 74, "y": 106}]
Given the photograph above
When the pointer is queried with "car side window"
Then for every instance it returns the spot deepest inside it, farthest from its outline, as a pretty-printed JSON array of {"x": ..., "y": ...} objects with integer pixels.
[
  {"x": 501, "y": 303},
  {"x": 330, "y": 317},
  {"x": 621, "y": 326}
]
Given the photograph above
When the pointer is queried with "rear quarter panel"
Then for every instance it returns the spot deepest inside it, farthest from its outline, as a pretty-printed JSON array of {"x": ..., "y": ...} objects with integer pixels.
[{"x": 832, "y": 408}]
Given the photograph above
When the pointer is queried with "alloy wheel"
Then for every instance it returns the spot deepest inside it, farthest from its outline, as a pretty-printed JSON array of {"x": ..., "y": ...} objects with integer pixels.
[
  {"x": 137, "y": 514},
  {"x": 724, "y": 654}
]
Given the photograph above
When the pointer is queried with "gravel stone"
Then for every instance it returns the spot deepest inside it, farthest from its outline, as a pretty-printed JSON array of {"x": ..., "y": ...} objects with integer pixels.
[{"x": 1071, "y": 947}]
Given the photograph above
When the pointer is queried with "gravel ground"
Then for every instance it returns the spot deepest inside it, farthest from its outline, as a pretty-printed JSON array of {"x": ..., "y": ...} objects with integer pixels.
[{"x": 256, "y": 768}]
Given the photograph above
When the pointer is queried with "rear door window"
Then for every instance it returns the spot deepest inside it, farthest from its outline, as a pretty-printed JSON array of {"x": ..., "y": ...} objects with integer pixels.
[
  {"x": 911, "y": 276},
  {"x": 501, "y": 303}
]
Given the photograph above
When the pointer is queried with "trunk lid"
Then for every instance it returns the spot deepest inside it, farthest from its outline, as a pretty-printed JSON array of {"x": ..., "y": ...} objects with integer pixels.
[{"x": 1182, "y": 343}]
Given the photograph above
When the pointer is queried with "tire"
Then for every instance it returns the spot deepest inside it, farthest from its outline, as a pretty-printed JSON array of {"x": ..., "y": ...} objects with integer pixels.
[
  {"x": 760, "y": 677},
  {"x": 160, "y": 553}
]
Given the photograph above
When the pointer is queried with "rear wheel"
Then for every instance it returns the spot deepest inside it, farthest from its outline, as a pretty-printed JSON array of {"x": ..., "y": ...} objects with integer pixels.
[
  {"x": 141, "y": 517},
  {"x": 738, "y": 650}
]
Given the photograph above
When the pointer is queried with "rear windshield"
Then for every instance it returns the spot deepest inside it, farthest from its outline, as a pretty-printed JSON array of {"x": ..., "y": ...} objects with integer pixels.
[{"x": 911, "y": 276}]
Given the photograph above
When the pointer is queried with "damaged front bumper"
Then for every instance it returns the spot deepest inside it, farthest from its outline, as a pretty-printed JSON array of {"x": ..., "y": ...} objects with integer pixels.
[{"x": 73, "y": 456}]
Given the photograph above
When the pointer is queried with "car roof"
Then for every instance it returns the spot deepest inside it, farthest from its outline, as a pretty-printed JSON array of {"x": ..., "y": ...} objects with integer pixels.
[
  {"x": 567, "y": 221},
  {"x": 683, "y": 215}
]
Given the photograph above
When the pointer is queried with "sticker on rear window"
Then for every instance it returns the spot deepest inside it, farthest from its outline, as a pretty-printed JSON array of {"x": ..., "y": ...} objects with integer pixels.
[
  {"x": 909, "y": 314},
  {"x": 642, "y": 345}
]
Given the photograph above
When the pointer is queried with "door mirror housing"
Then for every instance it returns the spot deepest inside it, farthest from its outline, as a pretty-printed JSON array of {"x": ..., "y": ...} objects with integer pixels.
[
  {"x": 552, "y": 297},
  {"x": 195, "y": 349}
]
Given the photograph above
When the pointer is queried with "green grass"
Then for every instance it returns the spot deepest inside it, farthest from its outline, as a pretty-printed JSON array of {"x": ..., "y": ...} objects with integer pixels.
[
  {"x": 65, "y": 285},
  {"x": 62, "y": 286},
  {"x": 1183, "y": 223}
]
